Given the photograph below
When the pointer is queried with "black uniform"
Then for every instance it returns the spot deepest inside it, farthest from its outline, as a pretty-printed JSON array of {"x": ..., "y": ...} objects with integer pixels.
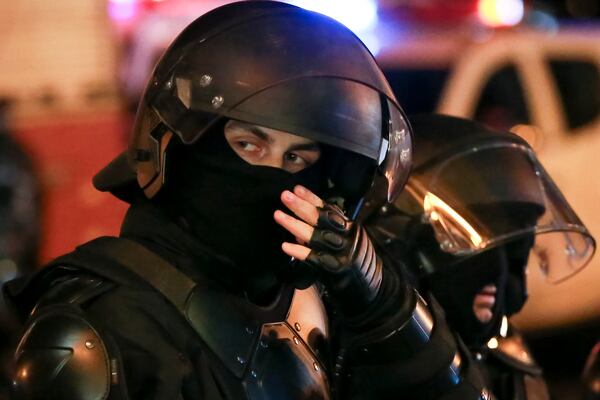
[
  {"x": 150, "y": 350},
  {"x": 196, "y": 299},
  {"x": 468, "y": 220},
  {"x": 509, "y": 366},
  {"x": 120, "y": 337}
]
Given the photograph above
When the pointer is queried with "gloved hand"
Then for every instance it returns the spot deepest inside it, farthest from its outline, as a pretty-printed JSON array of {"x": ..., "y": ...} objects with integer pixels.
[{"x": 337, "y": 251}]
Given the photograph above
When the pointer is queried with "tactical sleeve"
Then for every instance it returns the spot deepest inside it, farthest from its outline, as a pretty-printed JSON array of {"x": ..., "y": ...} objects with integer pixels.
[{"x": 420, "y": 359}]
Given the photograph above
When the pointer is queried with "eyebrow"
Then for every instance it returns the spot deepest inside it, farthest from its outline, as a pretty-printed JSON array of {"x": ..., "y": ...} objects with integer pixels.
[
  {"x": 312, "y": 146},
  {"x": 256, "y": 131},
  {"x": 261, "y": 134}
]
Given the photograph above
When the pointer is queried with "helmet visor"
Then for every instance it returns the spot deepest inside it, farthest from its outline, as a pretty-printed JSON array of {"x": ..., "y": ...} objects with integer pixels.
[
  {"x": 396, "y": 160},
  {"x": 496, "y": 193}
]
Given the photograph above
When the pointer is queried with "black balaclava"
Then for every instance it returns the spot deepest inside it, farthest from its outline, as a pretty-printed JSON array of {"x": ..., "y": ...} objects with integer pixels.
[
  {"x": 517, "y": 253},
  {"x": 503, "y": 265},
  {"x": 456, "y": 286},
  {"x": 228, "y": 205}
]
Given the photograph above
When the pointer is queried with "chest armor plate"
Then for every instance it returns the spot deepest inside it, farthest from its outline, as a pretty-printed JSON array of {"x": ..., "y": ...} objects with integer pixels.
[{"x": 279, "y": 352}]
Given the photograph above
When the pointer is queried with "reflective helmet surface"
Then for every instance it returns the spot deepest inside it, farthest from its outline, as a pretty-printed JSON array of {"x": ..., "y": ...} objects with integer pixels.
[
  {"x": 274, "y": 65},
  {"x": 478, "y": 189}
]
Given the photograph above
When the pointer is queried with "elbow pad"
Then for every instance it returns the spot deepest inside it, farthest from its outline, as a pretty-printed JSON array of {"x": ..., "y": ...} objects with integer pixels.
[{"x": 421, "y": 358}]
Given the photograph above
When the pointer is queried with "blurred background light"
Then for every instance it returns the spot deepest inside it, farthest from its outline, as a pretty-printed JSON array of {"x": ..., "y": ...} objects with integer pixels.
[
  {"x": 498, "y": 13},
  {"x": 358, "y": 15},
  {"x": 372, "y": 41},
  {"x": 122, "y": 10},
  {"x": 543, "y": 21}
]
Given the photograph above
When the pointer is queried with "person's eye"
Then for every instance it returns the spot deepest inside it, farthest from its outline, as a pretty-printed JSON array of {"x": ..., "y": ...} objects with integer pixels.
[
  {"x": 247, "y": 146},
  {"x": 295, "y": 159}
]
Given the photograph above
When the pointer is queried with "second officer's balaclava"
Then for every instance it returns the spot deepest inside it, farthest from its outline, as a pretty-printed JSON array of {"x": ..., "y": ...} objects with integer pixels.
[
  {"x": 517, "y": 254},
  {"x": 228, "y": 205},
  {"x": 454, "y": 282},
  {"x": 456, "y": 285}
]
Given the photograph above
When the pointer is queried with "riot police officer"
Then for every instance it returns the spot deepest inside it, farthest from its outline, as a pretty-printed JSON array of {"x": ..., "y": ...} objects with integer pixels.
[
  {"x": 19, "y": 229},
  {"x": 478, "y": 209},
  {"x": 261, "y": 130}
]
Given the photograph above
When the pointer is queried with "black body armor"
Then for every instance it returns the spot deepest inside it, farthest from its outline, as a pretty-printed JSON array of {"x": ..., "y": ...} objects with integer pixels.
[
  {"x": 273, "y": 352},
  {"x": 511, "y": 370},
  {"x": 225, "y": 347}
]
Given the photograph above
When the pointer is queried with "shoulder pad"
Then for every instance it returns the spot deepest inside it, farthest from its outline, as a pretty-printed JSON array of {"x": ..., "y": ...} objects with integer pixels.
[
  {"x": 61, "y": 356},
  {"x": 74, "y": 288},
  {"x": 513, "y": 351},
  {"x": 53, "y": 284}
]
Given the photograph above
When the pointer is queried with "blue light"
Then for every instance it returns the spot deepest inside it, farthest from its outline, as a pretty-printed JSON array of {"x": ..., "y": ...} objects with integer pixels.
[
  {"x": 371, "y": 40},
  {"x": 358, "y": 15}
]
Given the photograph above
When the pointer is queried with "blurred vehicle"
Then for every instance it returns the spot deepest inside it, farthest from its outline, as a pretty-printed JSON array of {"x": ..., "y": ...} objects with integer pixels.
[{"x": 550, "y": 80}]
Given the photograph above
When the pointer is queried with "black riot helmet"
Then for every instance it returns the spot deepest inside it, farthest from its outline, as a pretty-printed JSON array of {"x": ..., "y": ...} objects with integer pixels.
[
  {"x": 278, "y": 66},
  {"x": 477, "y": 209}
]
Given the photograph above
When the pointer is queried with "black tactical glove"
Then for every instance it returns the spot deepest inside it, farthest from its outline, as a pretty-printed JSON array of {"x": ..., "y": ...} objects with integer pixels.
[{"x": 344, "y": 260}]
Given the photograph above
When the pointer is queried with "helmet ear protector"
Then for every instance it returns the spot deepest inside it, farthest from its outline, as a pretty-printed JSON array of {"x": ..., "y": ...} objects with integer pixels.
[{"x": 151, "y": 164}]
